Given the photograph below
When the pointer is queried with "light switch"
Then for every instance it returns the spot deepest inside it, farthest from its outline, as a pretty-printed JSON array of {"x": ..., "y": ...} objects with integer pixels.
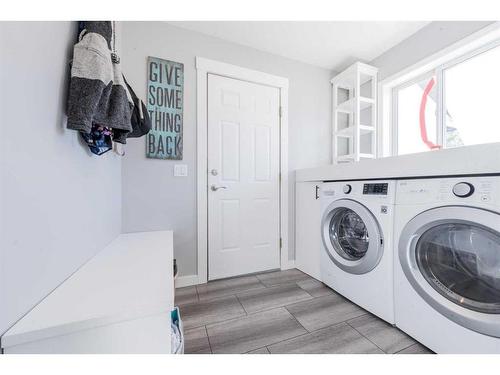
[{"x": 180, "y": 170}]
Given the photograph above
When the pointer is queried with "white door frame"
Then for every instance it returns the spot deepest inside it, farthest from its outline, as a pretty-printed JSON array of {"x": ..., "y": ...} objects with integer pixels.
[{"x": 204, "y": 67}]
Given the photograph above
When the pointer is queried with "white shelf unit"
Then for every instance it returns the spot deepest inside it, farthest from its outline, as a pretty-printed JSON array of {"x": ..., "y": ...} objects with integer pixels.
[{"x": 354, "y": 114}]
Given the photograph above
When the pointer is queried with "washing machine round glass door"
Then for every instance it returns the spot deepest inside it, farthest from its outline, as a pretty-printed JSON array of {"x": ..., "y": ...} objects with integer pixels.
[
  {"x": 451, "y": 256},
  {"x": 351, "y": 236}
]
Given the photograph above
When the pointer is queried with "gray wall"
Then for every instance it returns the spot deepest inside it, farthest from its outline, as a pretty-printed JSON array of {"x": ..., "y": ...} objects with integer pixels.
[
  {"x": 152, "y": 198},
  {"x": 58, "y": 204},
  {"x": 425, "y": 42}
]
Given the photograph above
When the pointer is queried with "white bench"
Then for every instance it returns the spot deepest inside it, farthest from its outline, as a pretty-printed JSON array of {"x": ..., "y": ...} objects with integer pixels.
[{"x": 118, "y": 302}]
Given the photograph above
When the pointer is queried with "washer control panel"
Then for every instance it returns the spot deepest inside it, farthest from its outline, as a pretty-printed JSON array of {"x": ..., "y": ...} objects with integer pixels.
[
  {"x": 375, "y": 189},
  {"x": 470, "y": 190}
]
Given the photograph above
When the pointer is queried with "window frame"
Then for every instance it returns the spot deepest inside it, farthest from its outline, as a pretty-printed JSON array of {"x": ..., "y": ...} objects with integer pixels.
[
  {"x": 463, "y": 50},
  {"x": 395, "y": 107},
  {"x": 439, "y": 73}
]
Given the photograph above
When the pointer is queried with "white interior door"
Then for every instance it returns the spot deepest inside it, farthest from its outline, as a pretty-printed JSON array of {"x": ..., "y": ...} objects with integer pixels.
[{"x": 243, "y": 177}]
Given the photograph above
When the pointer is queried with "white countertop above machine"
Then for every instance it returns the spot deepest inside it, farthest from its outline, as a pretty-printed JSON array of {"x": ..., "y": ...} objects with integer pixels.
[{"x": 470, "y": 160}]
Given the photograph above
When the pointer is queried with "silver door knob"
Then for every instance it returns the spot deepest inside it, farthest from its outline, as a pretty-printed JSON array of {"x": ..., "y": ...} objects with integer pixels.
[
  {"x": 215, "y": 188},
  {"x": 214, "y": 172}
]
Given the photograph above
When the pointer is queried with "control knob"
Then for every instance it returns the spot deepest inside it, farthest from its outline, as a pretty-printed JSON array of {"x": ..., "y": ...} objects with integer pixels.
[
  {"x": 347, "y": 189},
  {"x": 463, "y": 189}
]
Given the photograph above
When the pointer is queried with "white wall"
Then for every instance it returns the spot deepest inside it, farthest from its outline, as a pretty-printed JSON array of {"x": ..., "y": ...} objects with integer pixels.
[
  {"x": 58, "y": 204},
  {"x": 425, "y": 42},
  {"x": 152, "y": 198}
]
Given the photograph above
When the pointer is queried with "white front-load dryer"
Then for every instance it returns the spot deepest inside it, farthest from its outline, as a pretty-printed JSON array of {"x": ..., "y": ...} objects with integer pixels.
[
  {"x": 356, "y": 232},
  {"x": 447, "y": 263}
]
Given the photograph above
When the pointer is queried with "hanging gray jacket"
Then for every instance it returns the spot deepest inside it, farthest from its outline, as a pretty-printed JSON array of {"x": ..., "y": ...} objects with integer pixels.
[{"x": 97, "y": 93}]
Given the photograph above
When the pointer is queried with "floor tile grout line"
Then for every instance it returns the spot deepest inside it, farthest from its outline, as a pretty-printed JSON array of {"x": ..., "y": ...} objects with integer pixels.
[
  {"x": 285, "y": 283},
  {"x": 305, "y": 334},
  {"x": 264, "y": 286},
  {"x": 197, "y": 293},
  {"x": 251, "y": 313},
  {"x": 295, "y": 318},
  {"x": 415, "y": 343},
  {"x": 307, "y": 331},
  {"x": 289, "y": 338},
  {"x": 237, "y": 277},
  {"x": 272, "y": 343},
  {"x": 405, "y": 348},
  {"x": 297, "y": 283},
  {"x": 220, "y": 321},
  {"x": 291, "y": 284},
  {"x": 252, "y": 350},
  {"x": 399, "y": 351},
  {"x": 330, "y": 325},
  {"x": 260, "y": 282},
  {"x": 278, "y": 307},
  {"x": 347, "y": 322},
  {"x": 392, "y": 326},
  {"x": 313, "y": 298},
  {"x": 260, "y": 287},
  {"x": 230, "y": 294},
  {"x": 243, "y": 307},
  {"x": 208, "y": 338},
  {"x": 217, "y": 297}
]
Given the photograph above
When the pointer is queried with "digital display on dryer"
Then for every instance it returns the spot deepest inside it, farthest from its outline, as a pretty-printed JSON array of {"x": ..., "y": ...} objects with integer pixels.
[{"x": 375, "y": 189}]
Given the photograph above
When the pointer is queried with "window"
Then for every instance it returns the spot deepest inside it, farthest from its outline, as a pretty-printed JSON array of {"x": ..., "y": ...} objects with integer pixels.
[
  {"x": 416, "y": 116},
  {"x": 455, "y": 104}
]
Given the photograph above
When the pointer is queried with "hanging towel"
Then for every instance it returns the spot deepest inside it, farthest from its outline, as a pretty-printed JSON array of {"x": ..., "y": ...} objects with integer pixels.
[{"x": 98, "y": 94}]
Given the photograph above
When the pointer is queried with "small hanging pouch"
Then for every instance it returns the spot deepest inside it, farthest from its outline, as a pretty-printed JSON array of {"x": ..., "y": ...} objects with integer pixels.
[{"x": 99, "y": 139}]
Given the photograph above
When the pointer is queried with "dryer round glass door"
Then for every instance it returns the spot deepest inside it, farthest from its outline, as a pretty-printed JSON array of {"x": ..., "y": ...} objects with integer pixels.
[
  {"x": 451, "y": 256},
  {"x": 351, "y": 236}
]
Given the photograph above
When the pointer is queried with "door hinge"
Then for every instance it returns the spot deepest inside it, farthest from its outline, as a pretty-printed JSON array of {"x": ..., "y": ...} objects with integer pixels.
[
  {"x": 281, "y": 111},
  {"x": 281, "y": 243}
]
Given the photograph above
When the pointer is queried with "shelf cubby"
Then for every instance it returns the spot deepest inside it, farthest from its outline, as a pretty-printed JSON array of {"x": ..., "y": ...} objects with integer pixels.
[{"x": 354, "y": 113}]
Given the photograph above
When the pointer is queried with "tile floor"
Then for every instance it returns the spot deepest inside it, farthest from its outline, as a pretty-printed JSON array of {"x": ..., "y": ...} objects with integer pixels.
[{"x": 282, "y": 312}]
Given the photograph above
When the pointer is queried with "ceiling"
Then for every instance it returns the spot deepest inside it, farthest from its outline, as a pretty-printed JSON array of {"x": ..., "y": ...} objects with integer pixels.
[{"x": 332, "y": 45}]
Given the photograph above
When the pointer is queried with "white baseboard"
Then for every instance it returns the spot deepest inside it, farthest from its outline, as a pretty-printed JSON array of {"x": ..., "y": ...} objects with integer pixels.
[
  {"x": 288, "y": 265},
  {"x": 187, "y": 280}
]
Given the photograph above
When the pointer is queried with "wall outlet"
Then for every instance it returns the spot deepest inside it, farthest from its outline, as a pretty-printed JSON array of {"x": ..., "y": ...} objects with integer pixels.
[{"x": 180, "y": 170}]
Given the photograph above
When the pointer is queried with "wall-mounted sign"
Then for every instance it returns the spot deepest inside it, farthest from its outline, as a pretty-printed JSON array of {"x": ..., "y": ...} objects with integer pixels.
[{"x": 165, "y": 106}]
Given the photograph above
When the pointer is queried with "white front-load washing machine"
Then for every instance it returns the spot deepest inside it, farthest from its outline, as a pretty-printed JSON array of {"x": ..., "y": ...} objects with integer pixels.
[
  {"x": 447, "y": 264},
  {"x": 356, "y": 231}
]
